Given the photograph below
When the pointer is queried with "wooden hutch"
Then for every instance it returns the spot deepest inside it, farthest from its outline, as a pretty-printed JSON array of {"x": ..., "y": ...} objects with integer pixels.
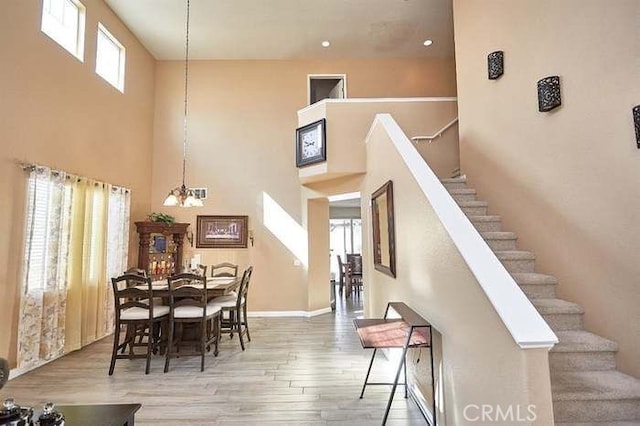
[{"x": 160, "y": 249}]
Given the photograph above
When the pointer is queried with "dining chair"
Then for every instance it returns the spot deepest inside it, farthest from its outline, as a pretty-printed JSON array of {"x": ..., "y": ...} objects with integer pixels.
[
  {"x": 224, "y": 269},
  {"x": 188, "y": 305},
  {"x": 135, "y": 309},
  {"x": 236, "y": 308},
  {"x": 355, "y": 264},
  {"x": 341, "y": 274},
  {"x": 136, "y": 271},
  {"x": 202, "y": 270}
]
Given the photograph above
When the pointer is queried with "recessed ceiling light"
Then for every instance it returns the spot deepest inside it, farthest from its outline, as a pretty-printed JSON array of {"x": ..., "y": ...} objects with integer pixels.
[
  {"x": 428, "y": 42},
  {"x": 326, "y": 43}
]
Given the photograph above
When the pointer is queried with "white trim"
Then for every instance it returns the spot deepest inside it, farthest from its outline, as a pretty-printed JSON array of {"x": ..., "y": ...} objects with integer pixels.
[
  {"x": 344, "y": 197},
  {"x": 288, "y": 314},
  {"x": 342, "y": 77},
  {"x": 17, "y": 372},
  {"x": 375, "y": 100},
  {"x": 527, "y": 327}
]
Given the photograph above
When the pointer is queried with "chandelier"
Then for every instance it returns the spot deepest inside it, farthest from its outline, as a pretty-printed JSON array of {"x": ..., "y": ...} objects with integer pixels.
[{"x": 182, "y": 195}]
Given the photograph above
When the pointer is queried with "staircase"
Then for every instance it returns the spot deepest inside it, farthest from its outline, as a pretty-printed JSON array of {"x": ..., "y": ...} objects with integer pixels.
[{"x": 585, "y": 385}]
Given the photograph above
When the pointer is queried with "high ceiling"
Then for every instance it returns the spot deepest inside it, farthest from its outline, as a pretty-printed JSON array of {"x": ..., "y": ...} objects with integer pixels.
[{"x": 291, "y": 29}]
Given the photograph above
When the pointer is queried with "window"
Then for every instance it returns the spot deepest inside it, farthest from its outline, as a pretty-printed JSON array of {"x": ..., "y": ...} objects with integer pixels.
[
  {"x": 63, "y": 21},
  {"x": 110, "y": 57},
  {"x": 76, "y": 239}
]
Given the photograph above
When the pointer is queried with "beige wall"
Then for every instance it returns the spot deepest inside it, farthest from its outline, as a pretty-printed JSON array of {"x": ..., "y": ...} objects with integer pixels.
[
  {"x": 54, "y": 110},
  {"x": 480, "y": 362},
  {"x": 242, "y": 123},
  {"x": 348, "y": 123},
  {"x": 565, "y": 181}
]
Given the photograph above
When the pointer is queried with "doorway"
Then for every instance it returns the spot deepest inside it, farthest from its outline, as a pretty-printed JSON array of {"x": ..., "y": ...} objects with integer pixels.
[
  {"x": 345, "y": 240},
  {"x": 326, "y": 86}
]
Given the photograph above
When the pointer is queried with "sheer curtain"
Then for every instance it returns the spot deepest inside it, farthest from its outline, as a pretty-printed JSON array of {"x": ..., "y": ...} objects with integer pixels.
[
  {"x": 44, "y": 290},
  {"x": 76, "y": 239}
]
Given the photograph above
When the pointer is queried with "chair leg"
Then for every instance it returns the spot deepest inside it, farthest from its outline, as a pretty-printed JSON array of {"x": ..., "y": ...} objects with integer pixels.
[
  {"x": 169, "y": 348},
  {"x": 246, "y": 321},
  {"x": 149, "y": 347},
  {"x": 114, "y": 353},
  {"x": 203, "y": 342},
  {"x": 218, "y": 328},
  {"x": 231, "y": 322},
  {"x": 238, "y": 326}
]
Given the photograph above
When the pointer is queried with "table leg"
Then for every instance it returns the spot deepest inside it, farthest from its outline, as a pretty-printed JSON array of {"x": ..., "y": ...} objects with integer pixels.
[
  {"x": 366, "y": 379},
  {"x": 395, "y": 382}
]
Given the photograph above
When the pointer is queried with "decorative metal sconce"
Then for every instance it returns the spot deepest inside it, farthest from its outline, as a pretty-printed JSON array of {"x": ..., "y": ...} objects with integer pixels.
[
  {"x": 190, "y": 238},
  {"x": 636, "y": 120},
  {"x": 495, "y": 64},
  {"x": 549, "y": 93}
]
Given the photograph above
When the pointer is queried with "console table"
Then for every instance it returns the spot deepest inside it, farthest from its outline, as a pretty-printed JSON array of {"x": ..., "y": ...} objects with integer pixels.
[
  {"x": 100, "y": 414},
  {"x": 408, "y": 331}
]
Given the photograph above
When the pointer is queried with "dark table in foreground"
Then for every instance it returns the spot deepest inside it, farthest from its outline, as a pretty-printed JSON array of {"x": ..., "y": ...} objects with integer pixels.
[{"x": 97, "y": 415}]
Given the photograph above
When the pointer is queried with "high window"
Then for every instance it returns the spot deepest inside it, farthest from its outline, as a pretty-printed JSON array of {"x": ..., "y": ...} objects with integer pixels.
[
  {"x": 110, "y": 58},
  {"x": 63, "y": 21}
]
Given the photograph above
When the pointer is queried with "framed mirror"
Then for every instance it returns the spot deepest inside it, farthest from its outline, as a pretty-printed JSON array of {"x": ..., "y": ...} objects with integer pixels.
[{"x": 382, "y": 224}]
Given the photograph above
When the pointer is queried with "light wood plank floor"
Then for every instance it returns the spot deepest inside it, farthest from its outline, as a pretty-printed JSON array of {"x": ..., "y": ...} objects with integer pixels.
[{"x": 294, "y": 372}]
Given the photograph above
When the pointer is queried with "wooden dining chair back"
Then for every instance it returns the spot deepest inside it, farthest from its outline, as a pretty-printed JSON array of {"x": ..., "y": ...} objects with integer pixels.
[
  {"x": 341, "y": 274},
  {"x": 354, "y": 261},
  {"x": 202, "y": 270},
  {"x": 136, "y": 271},
  {"x": 188, "y": 305},
  {"x": 135, "y": 309},
  {"x": 224, "y": 269},
  {"x": 236, "y": 308}
]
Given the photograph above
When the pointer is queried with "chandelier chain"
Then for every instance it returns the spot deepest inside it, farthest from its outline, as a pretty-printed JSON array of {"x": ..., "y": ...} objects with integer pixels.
[{"x": 186, "y": 97}]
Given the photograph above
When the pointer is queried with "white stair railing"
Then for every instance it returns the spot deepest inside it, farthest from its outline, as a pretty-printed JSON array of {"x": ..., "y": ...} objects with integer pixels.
[{"x": 437, "y": 134}]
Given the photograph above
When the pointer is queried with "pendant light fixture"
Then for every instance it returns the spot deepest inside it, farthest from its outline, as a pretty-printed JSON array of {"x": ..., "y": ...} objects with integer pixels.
[{"x": 183, "y": 196}]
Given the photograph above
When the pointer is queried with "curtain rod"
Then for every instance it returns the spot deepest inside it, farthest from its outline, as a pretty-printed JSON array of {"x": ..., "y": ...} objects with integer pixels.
[{"x": 28, "y": 166}]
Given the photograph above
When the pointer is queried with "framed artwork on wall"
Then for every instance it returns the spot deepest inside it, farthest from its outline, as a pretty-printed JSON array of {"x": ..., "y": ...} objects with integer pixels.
[
  {"x": 311, "y": 146},
  {"x": 222, "y": 231}
]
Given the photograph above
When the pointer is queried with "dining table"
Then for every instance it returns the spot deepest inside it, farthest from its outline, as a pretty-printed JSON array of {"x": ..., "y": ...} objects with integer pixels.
[{"x": 216, "y": 286}]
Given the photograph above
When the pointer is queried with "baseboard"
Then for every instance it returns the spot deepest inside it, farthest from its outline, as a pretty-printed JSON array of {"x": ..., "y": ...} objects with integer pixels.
[
  {"x": 17, "y": 372},
  {"x": 276, "y": 314},
  {"x": 421, "y": 402}
]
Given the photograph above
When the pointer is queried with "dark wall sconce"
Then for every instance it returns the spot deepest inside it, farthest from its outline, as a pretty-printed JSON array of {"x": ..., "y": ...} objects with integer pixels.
[
  {"x": 549, "y": 93},
  {"x": 495, "y": 64},
  {"x": 636, "y": 120}
]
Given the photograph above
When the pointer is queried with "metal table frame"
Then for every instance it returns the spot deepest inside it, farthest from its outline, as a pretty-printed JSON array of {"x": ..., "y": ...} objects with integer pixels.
[{"x": 408, "y": 324}]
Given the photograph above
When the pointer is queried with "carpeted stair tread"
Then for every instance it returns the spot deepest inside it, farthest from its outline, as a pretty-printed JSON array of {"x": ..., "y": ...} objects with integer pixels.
[
  {"x": 533, "y": 278},
  {"x": 515, "y": 255},
  {"x": 556, "y": 306},
  {"x": 473, "y": 204},
  {"x": 460, "y": 179},
  {"x": 594, "y": 386},
  {"x": 498, "y": 235},
  {"x": 583, "y": 341},
  {"x": 462, "y": 191}
]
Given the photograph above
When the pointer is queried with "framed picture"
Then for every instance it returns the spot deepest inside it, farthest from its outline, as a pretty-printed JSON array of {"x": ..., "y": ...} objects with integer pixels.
[
  {"x": 222, "y": 231},
  {"x": 311, "y": 143}
]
